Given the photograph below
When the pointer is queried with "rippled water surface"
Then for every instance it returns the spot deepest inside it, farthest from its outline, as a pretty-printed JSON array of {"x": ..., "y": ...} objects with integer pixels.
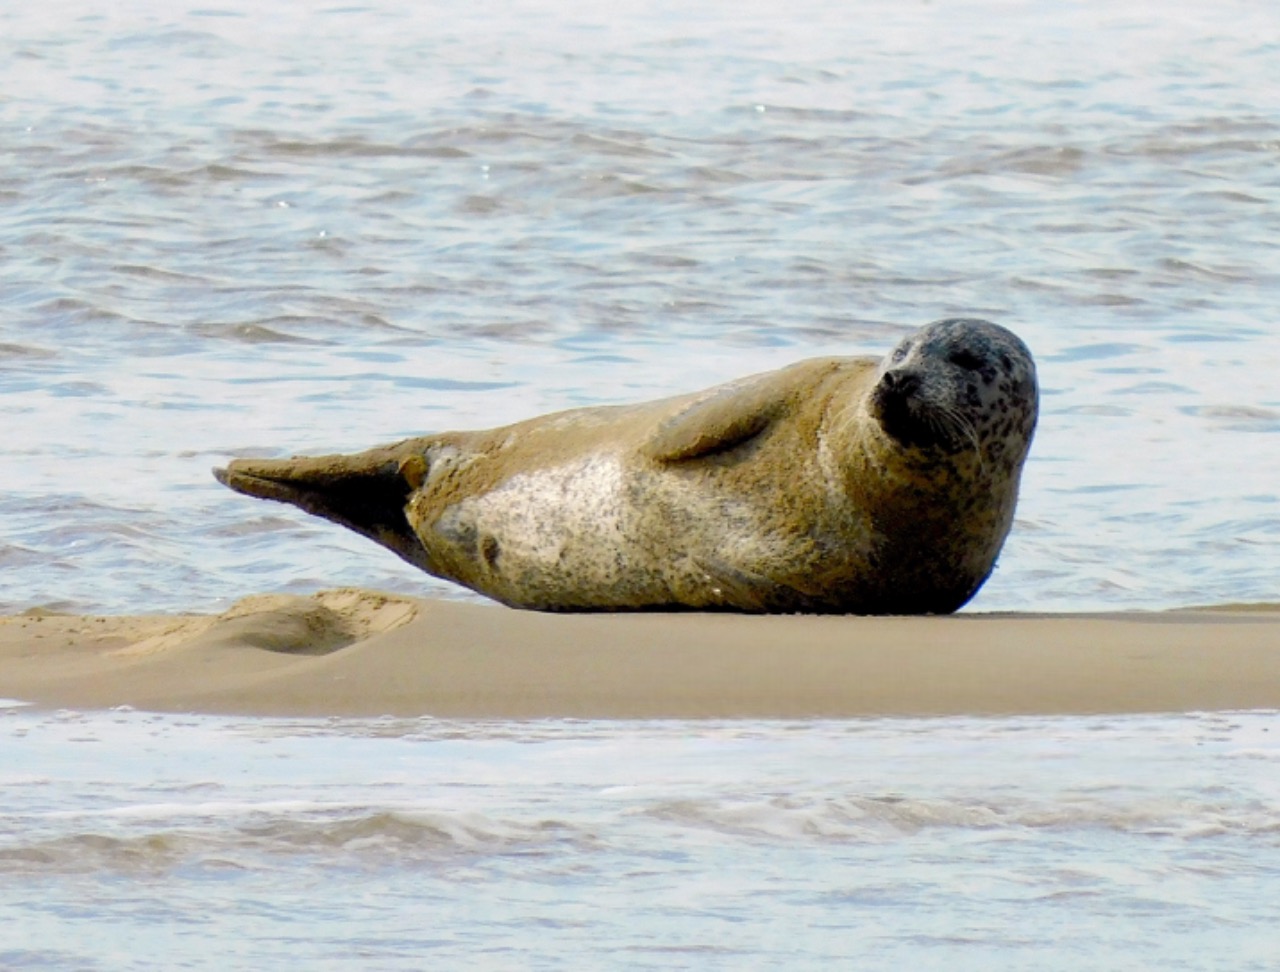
[
  {"x": 1139, "y": 843},
  {"x": 241, "y": 228}
]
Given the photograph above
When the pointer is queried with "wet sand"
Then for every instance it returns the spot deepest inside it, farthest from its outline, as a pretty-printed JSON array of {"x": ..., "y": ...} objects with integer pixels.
[{"x": 361, "y": 653}]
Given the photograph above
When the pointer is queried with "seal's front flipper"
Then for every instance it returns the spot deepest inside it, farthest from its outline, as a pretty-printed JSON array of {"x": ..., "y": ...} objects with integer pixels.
[
  {"x": 746, "y": 590},
  {"x": 735, "y": 414},
  {"x": 366, "y": 492},
  {"x": 725, "y": 420}
]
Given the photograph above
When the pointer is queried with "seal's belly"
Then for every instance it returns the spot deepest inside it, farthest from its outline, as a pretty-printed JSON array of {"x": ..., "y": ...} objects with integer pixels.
[
  {"x": 599, "y": 531},
  {"x": 546, "y": 534}
]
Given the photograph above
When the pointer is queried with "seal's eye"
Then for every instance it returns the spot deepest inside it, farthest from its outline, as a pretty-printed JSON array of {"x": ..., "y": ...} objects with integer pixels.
[
  {"x": 965, "y": 359},
  {"x": 899, "y": 353}
]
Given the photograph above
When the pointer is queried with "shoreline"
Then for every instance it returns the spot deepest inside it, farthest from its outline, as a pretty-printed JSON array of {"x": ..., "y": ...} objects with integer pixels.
[{"x": 361, "y": 653}]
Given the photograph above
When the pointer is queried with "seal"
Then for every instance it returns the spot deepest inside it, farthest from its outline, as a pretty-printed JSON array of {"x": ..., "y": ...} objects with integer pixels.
[{"x": 834, "y": 485}]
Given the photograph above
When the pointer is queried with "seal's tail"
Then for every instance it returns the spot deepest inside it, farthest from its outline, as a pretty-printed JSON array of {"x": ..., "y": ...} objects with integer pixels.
[{"x": 365, "y": 492}]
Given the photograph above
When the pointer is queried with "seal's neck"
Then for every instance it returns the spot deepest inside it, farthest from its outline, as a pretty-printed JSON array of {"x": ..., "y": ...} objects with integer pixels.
[{"x": 924, "y": 492}]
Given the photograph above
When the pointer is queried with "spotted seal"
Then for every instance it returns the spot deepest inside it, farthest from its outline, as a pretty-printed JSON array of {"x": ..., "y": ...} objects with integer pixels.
[{"x": 835, "y": 485}]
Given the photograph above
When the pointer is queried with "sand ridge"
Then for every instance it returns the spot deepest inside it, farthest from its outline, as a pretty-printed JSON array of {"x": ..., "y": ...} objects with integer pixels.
[
  {"x": 351, "y": 652},
  {"x": 292, "y": 624}
]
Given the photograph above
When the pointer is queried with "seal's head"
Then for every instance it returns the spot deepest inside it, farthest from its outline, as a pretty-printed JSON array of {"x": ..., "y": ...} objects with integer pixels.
[{"x": 958, "y": 385}]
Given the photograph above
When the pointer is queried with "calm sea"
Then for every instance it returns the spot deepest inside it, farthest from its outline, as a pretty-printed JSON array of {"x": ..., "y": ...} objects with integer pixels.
[{"x": 258, "y": 228}]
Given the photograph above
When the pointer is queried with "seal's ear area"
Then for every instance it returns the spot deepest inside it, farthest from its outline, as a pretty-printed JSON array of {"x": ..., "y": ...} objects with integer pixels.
[
  {"x": 727, "y": 419},
  {"x": 366, "y": 492}
]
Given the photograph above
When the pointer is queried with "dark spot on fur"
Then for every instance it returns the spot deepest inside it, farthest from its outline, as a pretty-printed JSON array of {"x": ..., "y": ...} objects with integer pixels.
[
  {"x": 490, "y": 550},
  {"x": 966, "y": 359},
  {"x": 458, "y": 532}
]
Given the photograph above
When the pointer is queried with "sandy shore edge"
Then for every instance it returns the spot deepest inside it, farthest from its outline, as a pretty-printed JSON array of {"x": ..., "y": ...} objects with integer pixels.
[{"x": 352, "y": 652}]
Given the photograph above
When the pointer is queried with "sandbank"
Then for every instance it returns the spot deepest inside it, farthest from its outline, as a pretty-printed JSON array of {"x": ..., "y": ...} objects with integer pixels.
[{"x": 362, "y": 653}]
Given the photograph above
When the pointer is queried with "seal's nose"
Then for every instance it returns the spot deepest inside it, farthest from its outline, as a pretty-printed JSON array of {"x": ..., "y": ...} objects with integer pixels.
[
  {"x": 896, "y": 404},
  {"x": 900, "y": 382}
]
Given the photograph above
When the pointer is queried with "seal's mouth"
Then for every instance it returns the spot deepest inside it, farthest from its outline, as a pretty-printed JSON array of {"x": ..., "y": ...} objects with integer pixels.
[{"x": 905, "y": 416}]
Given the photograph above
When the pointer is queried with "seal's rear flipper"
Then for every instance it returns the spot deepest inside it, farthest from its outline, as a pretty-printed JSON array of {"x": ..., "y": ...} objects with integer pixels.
[{"x": 366, "y": 492}]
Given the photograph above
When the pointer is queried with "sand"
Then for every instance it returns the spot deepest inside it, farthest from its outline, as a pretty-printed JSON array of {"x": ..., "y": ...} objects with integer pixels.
[{"x": 361, "y": 653}]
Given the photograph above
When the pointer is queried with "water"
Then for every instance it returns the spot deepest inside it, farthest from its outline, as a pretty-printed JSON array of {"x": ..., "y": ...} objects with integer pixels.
[
  {"x": 1133, "y": 843},
  {"x": 243, "y": 228},
  {"x": 232, "y": 230}
]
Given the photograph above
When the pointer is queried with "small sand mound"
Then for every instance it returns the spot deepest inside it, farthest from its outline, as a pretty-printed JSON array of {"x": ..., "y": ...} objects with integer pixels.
[
  {"x": 315, "y": 625},
  {"x": 368, "y": 612}
]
